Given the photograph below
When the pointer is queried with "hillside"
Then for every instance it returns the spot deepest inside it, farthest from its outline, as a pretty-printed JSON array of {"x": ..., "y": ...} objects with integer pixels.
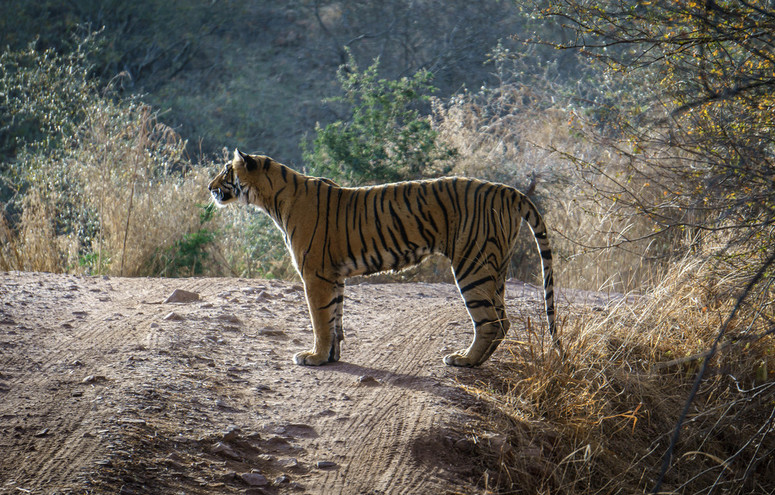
[{"x": 255, "y": 74}]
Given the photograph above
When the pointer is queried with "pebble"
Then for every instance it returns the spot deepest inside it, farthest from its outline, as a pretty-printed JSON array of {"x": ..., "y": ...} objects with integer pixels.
[
  {"x": 254, "y": 479},
  {"x": 368, "y": 380},
  {"x": 288, "y": 463},
  {"x": 182, "y": 296},
  {"x": 131, "y": 421},
  {"x": 281, "y": 479},
  {"x": 232, "y": 433},
  {"x": 225, "y": 450}
]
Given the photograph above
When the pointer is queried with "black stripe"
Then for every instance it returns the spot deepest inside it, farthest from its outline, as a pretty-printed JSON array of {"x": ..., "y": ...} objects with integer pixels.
[
  {"x": 336, "y": 300},
  {"x": 479, "y": 303},
  {"x": 401, "y": 229},
  {"x": 475, "y": 284}
]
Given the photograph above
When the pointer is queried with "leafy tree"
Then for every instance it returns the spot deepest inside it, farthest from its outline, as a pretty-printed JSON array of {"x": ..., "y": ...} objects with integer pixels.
[
  {"x": 695, "y": 129},
  {"x": 696, "y": 121},
  {"x": 385, "y": 138}
]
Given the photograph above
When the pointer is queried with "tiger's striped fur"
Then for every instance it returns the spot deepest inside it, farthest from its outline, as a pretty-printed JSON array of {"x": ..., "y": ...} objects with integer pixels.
[{"x": 336, "y": 232}]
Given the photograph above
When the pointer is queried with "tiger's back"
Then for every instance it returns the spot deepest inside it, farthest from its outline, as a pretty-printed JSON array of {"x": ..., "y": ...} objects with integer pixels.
[{"x": 336, "y": 232}]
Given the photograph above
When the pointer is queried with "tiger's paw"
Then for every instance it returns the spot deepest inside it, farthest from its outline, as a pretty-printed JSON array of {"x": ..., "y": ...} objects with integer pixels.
[
  {"x": 459, "y": 359},
  {"x": 308, "y": 358}
]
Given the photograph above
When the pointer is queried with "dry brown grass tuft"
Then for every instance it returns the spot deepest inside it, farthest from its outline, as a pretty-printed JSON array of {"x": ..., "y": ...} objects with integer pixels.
[
  {"x": 518, "y": 136},
  {"x": 601, "y": 421},
  {"x": 125, "y": 174}
]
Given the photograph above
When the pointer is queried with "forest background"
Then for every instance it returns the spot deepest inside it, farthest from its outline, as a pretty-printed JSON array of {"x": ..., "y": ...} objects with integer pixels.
[{"x": 643, "y": 130}]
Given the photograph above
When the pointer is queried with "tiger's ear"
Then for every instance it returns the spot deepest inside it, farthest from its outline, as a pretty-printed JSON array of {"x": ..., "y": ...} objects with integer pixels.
[{"x": 250, "y": 163}]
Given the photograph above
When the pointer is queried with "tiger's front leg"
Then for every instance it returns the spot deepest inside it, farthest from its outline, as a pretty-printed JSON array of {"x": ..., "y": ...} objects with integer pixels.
[{"x": 324, "y": 300}]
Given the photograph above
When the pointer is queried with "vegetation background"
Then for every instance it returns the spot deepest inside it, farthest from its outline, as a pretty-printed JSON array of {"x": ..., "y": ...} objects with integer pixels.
[{"x": 643, "y": 130}]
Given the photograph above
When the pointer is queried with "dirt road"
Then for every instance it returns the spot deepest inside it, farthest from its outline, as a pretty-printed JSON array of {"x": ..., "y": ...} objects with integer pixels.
[{"x": 104, "y": 388}]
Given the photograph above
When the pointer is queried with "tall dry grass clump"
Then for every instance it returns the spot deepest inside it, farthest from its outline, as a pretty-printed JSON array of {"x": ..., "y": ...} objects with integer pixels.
[
  {"x": 114, "y": 201},
  {"x": 602, "y": 420},
  {"x": 92, "y": 182},
  {"x": 144, "y": 193},
  {"x": 518, "y": 135},
  {"x": 34, "y": 246}
]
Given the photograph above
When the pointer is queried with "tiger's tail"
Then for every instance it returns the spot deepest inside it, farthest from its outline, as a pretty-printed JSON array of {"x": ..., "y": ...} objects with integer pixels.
[{"x": 533, "y": 218}]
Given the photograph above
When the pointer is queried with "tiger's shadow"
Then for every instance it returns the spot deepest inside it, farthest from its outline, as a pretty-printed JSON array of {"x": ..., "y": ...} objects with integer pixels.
[{"x": 366, "y": 376}]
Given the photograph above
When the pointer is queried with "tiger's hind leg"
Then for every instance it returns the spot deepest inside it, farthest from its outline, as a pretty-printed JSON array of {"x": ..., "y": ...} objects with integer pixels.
[
  {"x": 324, "y": 300},
  {"x": 484, "y": 300}
]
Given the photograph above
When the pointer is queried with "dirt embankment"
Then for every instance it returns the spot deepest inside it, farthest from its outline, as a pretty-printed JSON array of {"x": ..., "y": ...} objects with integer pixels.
[{"x": 104, "y": 388}]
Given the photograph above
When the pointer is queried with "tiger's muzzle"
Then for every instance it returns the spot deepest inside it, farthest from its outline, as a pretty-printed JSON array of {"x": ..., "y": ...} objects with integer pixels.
[{"x": 219, "y": 195}]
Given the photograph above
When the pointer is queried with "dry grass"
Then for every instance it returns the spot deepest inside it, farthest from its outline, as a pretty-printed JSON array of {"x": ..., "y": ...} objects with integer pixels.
[
  {"x": 516, "y": 135},
  {"x": 601, "y": 421},
  {"x": 126, "y": 170}
]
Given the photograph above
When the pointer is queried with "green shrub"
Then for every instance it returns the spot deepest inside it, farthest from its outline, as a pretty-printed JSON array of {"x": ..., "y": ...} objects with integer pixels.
[{"x": 385, "y": 138}]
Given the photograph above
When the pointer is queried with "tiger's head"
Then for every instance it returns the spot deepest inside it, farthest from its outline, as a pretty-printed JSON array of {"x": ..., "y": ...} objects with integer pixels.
[{"x": 230, "y": 185}]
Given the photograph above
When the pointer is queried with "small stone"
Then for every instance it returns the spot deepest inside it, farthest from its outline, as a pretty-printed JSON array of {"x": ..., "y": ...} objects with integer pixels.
[
  {"x": 182, "y": 296},
  {"x": 288, "y": 463},
  {"x": 281, "y": 479},
  {"x": 173, "y": 316},
  {"x": 368, "y": 380},
  {"x": 251, "y": 290},
  {"x": 254, "y": 479},
  {"x": 42, "y": 433},
  {"x": 500, "y": 443},
  {"x": 270, "y": 332},
  {"x": 232, "y": 433},
  {"x": 225, "y": 450},
  {"x": 131, "y": 421}
]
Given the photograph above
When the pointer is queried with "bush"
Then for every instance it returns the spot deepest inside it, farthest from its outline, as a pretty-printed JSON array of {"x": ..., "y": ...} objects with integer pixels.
[
  {"x": 385, "y": 139},
  {"x": 601, "y": 421},
  {"x": 103, "y": 181}
]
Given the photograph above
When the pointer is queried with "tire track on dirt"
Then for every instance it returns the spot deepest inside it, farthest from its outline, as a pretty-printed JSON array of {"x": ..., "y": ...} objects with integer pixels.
[
  {"x": 68, "y": 355},
  {"x": 72, "y": 367},
  {"x": 167, "y": 389},
  {"x": 402, "y": 400}
]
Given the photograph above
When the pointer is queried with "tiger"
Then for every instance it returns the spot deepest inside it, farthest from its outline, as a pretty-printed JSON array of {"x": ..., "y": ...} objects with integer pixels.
[{"x": 334, "y": 232}]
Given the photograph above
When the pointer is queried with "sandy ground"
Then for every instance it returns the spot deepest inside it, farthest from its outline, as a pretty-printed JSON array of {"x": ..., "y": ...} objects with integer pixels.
[{"x": 105, "y": 388}]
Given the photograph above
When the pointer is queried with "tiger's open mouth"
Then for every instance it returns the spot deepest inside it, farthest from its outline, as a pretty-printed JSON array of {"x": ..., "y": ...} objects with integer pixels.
[{"x": 220, "y": 196}]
